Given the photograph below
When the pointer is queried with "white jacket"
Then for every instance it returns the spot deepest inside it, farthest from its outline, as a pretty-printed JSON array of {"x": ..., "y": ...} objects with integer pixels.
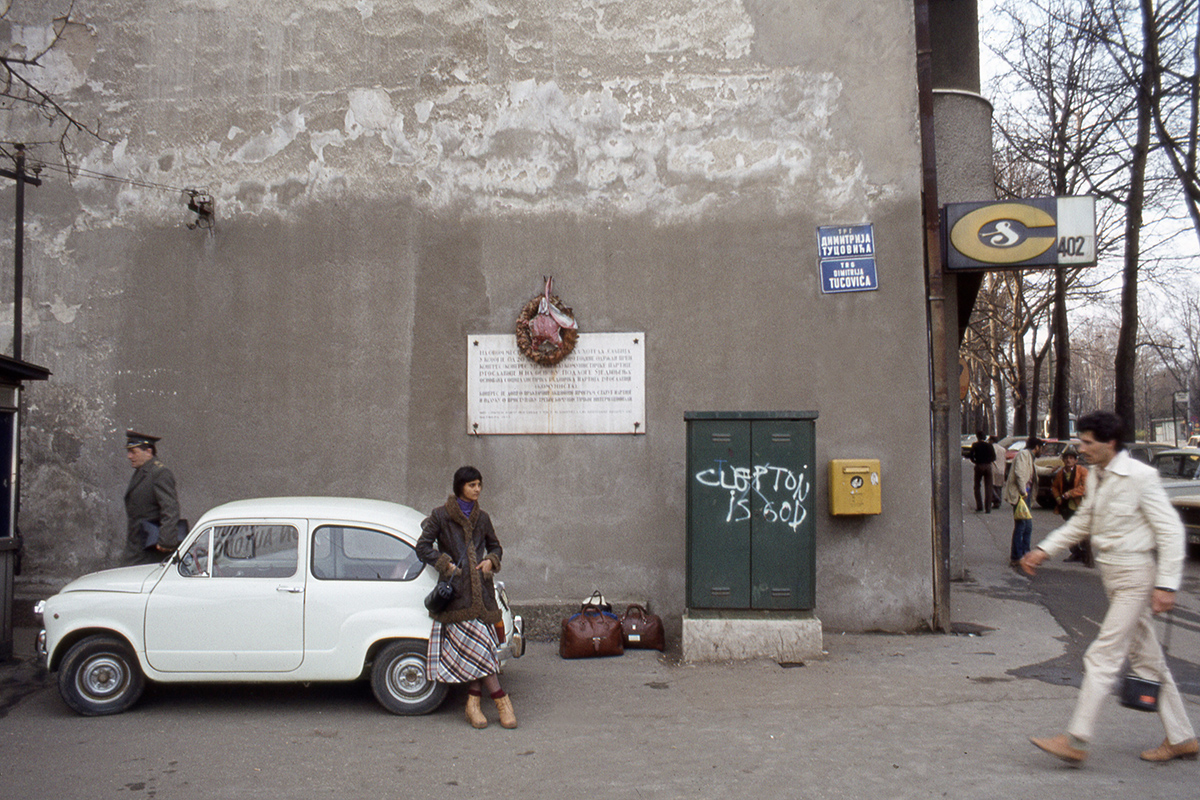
[{"x": 1128, "y": 516}]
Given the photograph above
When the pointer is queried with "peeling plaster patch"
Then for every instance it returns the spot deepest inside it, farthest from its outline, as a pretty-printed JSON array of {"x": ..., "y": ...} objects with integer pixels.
[
  {"x": 63, "y": 68},
  {"x": 318, "y": 140},
  {"x": 713, "y": 30},
  {"x": 234, "y": 132},
  {"x": 423, "y": 109},
  {"x": 62, "y": 312},
  {"x": 370, "y": 112},
  {"x": 287, "y": 191},
  {"x": 611, "y": 146},
  {"x": 283, "y": 132},
  {"x": 366, "y": 9}
]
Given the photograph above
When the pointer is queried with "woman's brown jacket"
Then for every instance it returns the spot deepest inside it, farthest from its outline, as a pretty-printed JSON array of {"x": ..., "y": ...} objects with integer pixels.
[{"x": 443, "y": 543}]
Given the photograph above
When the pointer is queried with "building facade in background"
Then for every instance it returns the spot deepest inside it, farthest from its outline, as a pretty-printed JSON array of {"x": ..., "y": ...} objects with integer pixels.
[{"x": 392, "y": 179}]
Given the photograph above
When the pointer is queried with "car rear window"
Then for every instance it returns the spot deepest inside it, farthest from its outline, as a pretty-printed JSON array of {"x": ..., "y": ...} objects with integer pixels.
[{"x": 344, "y": 553}]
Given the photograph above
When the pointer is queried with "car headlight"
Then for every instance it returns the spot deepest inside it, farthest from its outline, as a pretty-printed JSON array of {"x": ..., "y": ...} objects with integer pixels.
[{"x": 39, "y": 608}]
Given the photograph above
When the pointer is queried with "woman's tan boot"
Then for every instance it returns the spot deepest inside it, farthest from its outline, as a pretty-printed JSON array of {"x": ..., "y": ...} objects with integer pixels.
[
  {"x": 508, "y": 717},
  {"x": 475, "y": 712}
]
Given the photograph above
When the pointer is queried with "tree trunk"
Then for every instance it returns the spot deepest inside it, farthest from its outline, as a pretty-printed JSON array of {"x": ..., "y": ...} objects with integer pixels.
[
  {"x": 1126, "y": 361},
  {"x": 1060, "y": 408}
]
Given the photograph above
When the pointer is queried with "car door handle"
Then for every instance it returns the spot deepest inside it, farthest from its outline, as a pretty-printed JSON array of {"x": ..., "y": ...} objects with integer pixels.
[{"x": 290, "y": 589}]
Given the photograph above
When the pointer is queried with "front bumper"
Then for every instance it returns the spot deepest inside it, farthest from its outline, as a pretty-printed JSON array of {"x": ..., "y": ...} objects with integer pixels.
[{"x": 39, "y": 609}]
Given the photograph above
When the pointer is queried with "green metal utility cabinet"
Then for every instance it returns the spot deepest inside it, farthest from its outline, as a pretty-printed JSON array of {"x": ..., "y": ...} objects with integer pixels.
[{"x": 750, "y": 518}]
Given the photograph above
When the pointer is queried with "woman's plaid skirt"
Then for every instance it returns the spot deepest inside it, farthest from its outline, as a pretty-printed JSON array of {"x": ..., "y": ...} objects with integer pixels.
[{"x": 460, "y": 652}]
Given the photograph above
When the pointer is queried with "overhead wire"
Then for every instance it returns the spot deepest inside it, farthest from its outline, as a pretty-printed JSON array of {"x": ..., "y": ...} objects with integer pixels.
[{"x": 104, "y": 176}]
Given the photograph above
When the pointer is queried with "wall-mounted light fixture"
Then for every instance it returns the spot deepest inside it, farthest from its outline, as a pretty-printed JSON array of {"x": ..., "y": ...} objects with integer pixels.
[{"x": 201, "y": 203}]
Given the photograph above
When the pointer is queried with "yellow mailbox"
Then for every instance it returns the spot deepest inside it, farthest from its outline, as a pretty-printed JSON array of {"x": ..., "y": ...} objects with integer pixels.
[{"x": 854, "y": 486}]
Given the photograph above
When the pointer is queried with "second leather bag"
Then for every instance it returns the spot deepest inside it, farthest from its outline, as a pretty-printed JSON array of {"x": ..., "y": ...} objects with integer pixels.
[
  {"x": 590, "y": 634},
  {"x": 642, "y": 629}
]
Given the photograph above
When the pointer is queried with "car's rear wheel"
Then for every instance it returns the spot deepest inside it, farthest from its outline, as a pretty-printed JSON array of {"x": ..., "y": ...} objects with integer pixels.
[
  {"x": 399, "y": 682},
  {"x": 100, "y": 675}
]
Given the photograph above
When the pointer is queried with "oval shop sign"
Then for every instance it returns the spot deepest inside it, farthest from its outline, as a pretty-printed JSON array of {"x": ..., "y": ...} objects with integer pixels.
[{"x": 1041, "y": 232}]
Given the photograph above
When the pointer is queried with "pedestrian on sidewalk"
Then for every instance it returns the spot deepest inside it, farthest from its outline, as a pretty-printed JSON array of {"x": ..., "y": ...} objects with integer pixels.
[
  {"x": 1138, "y": 542},
  {"x": 1017, "y": 494},
  {"x": 1069, "y": 485},
  {"x": 982, "y": 455},
  {"x": 152, "y": 529},
  {"x": 458, "y": 540},
  {"x": 998, "y": 470}
]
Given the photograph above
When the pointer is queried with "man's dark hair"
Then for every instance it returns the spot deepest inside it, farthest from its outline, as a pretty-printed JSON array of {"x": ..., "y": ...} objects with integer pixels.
[
  {"x": 1032, "y": 442},
  {"x": 981, "y": 436},
  {"x": 463, "y": 476},
  {"x": 1104, "y": 426}
]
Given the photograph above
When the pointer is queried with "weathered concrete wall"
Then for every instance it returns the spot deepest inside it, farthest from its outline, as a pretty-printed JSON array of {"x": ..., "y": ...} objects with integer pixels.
[{"x": 390, "y": 178}]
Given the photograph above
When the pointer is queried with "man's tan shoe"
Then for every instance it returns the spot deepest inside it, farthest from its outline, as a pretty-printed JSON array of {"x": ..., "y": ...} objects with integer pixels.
[
  {"x": 1061, "y": 746},
  {"x": 1167, "y": 751}
]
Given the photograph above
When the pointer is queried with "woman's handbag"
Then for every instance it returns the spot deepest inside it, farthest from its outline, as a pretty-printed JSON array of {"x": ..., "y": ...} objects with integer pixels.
[
  {"x": 590, "y": 634},
  {"x": 437, "y": 600},
  {"x": 1141, "y": 694},
  {"x": 641, "y": 629}
]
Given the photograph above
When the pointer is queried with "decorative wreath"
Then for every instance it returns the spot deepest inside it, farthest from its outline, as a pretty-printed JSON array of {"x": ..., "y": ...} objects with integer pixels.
[{"x": 545, "y": 353}]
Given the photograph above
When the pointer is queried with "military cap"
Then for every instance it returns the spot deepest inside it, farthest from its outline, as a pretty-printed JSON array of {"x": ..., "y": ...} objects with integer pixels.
[{"x": 135, "y": 439}]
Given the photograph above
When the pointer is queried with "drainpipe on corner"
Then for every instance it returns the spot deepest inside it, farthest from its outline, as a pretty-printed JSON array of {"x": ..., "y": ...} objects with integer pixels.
[{"x": 936, "y": 327}]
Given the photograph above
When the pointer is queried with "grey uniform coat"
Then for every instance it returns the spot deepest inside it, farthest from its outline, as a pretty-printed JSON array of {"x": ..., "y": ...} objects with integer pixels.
[{"x": 151, "y": 496}]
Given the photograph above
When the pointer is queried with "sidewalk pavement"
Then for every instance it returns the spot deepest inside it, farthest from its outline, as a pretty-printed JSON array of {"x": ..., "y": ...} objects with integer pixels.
[{"x": 880, "y": 716}]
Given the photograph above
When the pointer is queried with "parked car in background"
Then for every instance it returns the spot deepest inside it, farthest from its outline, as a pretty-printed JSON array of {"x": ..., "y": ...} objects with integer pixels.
[
  {"x": 1188, "y": 507},
  {"x": 269, "y": 590},
  {"x": 965, "y": 443},
  {"x": 1178, "y": 468},
  {"x": 1146, "y": 451}
]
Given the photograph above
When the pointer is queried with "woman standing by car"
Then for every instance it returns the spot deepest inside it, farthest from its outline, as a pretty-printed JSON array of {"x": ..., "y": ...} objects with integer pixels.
[{"x": 457, "y": 539}]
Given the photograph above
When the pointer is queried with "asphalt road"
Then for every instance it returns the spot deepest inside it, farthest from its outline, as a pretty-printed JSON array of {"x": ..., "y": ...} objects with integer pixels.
[{"x": 1074, "y": 597}]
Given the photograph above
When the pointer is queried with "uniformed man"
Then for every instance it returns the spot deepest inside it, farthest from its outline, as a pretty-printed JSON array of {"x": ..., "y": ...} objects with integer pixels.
[{"x": 151, "y": 505}]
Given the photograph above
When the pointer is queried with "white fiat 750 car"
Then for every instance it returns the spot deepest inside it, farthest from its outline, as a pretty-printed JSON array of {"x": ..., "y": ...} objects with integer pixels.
[{"x": 273, "y": 589}]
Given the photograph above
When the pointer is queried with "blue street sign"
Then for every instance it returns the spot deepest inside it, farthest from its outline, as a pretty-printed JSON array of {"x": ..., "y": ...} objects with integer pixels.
[{"x": 846, "y": 255}]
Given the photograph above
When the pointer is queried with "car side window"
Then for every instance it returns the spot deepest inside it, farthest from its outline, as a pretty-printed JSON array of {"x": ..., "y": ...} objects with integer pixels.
[
  {"x": 341, "y": 553},
  {"x": 1165, "y": 466},
  {"x": 255, "y": 551},
  {"x": 1189, "y": 466}
]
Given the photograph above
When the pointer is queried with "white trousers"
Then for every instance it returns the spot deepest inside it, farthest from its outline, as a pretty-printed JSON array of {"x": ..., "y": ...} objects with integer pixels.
[{"x": 1127, "y": 633}]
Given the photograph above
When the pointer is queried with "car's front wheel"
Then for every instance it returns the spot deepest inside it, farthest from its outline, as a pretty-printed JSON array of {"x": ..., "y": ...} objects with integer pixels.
[
  {"x": 399, "y": 682},
  {"x": 100, "y": 675}
]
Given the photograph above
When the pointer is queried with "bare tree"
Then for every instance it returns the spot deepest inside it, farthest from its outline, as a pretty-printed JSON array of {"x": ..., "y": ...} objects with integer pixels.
[
  {"x": 1088, "y": 92},
  {"x": 23, "y": 82},
  {"x": 1175, "y": 97},
  {"x": 1060, "y": 127}
]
